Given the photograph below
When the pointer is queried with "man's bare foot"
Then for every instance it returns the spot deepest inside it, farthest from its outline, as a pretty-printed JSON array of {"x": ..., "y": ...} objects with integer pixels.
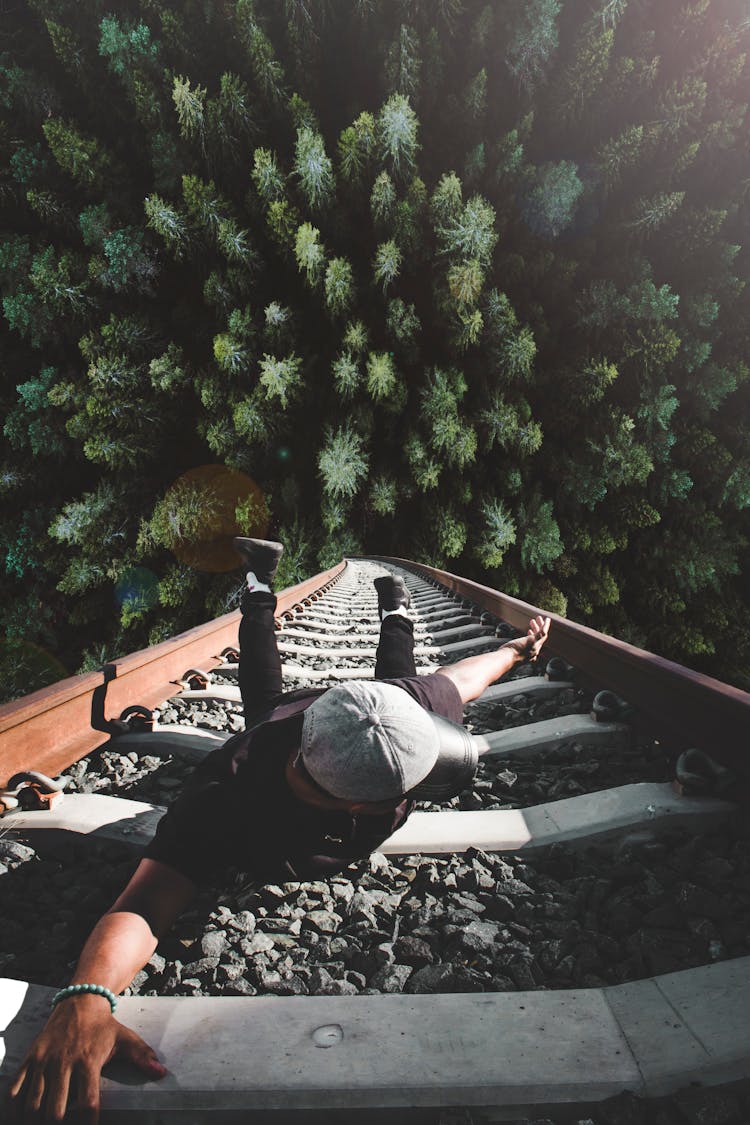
[{"x": 531, "y": 645}]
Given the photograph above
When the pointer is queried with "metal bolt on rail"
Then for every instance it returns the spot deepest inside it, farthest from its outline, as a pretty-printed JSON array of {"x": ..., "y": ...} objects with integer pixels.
[{"x": 30, "y": 790}]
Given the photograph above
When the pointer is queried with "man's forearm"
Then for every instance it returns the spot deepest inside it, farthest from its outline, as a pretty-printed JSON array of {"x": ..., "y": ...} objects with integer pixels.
[
  {"x": 124, "y": 939},
  {"x": 118, "y": 947},
  {"x": 473, "y": 675}
]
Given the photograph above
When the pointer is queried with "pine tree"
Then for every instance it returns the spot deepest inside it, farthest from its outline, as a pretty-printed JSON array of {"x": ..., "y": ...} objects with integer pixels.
[
  {"x": 397, "y": 135},
  {"x": 310, "y": 254},
  {"x": 341, "y": 463},
  {"x": 387, "y": 266},
  {"x": 549, "y": 206},
  {"x": 83, "y": 158},
  {"x": 314, "y": 169},
  {"x": 190, "y": 105},
  {"x": 280, "y": 378},
  {"x": 339, "y": 286}
]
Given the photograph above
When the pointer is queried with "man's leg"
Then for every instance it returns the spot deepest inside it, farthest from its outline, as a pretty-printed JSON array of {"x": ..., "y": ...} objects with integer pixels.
[
  {"x": 260, "y": 664},
  {"x": 395, "y": 655}
]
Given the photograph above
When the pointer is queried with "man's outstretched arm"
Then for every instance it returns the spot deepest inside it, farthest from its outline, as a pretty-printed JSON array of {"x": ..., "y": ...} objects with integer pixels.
[
  {"x": 64, "y": 1064},
  {"x": 475, "y": 674}
]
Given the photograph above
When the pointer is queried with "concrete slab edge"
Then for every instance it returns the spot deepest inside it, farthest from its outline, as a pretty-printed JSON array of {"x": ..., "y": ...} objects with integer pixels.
[{"x": 547, "y": 1048}]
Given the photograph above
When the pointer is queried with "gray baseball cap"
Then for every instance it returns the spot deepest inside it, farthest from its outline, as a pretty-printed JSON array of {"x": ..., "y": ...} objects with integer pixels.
[{"x": 368, "y": 741}]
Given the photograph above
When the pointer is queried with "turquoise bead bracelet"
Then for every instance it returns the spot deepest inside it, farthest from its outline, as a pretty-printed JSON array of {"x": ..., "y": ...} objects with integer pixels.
[{"x": 76, "y": 989}]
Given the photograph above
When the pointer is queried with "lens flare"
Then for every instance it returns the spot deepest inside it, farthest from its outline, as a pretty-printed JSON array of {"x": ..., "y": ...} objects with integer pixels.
[
  {"x": 137, "y": 589},
  {"x": 204, "y": 509},
  {"x": 283, "y": 453}
]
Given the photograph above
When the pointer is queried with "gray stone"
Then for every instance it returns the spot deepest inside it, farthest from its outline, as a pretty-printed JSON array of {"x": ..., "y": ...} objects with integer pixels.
[
  {"x": 240, "y": 987},
  {"x": 12, "y": 850},
  {"x": 414, "y": 951},
  {"x": 442, "y": 978},
  {"x": 203, "y": 969},
  {"x": 383, "y": 954},
  {"x": 230, "y": 972},
  {"x": 214, "y": 943},
  {"x": 322, "y": 921},
  {"x": 259, "y": 943},
  {"x": 290, "y": 985},
  {"x": 391, "y": 978},
  {"x": 243, "y": 921}
]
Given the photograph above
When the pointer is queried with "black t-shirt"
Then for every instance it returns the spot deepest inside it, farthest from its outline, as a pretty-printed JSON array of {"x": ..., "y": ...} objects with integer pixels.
[{"x": 237, "y": 809}]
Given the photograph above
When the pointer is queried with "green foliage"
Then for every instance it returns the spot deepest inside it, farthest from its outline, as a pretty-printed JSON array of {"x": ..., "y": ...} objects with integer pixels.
[
  {"x": 403, "y": 324},
  {"x": 347, "y": 375},
  {"x": 190, "y": 105},
  {"x": 384, "y": 495},
  {"x": 470, "y": 234},
  {"x": 339, "y": 286},
  {"x": 251, "y": 420},
  {"x": 82, "y": 157},
  {"x": 595, "y": 376},
  {"x": 341, "y": 463},
  {"x": 127, "y": 259},
  {"x": 309, "y": 252},
  {"x": 549, "y": 207},
  {"x": 337, "y": 547},
  {"x": 124, "y": 46},
  {"x": 280, "y": 378},
  {"x": 311, "y": 297},
  {"x": 95, "y": 224},
  {"x": 533, "y": 42},
  {"x": 266, "y": 175},
  {"x": 465, "y": 281},
  {"x": 314, "y": 169},
  {"x": 383, "y": 199},
  {"x": 451, "y": 533},
  {"x": 397, "y": 126},
  {"x": 169, "y": 222},
  {"x": 356, "y": 147},
  {"x": 31, "y": 423},
  {"x": 381, "y": 375},
  {"x": 356, "y": 337},
  {"x": 387, "y": 265},
  {"x": 28, "y": 164},
  {"x": 541, "y": 543},
  {"x": 91, "y": 521},
  {"x": 167, "y": 371},
  {"x": 403, "y": 63},
  {"x": 497, "y": 535},
  {"x": 446, "y": 202}
]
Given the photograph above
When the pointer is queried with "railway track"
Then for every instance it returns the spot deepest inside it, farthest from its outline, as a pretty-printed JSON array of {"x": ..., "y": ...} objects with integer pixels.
[{"x": 568, "y": 940}]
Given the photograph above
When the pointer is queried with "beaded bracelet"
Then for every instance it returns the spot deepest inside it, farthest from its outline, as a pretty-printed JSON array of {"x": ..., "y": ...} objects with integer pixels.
[{"x": 76, "y": 989}]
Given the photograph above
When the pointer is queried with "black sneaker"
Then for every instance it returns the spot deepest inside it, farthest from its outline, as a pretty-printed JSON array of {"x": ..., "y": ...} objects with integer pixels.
[
  {"x": 392, "y": 594},
  {"x": 259, "y": 555}
]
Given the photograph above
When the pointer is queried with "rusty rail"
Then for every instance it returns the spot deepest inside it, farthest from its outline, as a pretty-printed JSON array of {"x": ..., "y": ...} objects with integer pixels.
[
  {"x": 54, "y": 727},
  {"x": 683, "y": 706}
]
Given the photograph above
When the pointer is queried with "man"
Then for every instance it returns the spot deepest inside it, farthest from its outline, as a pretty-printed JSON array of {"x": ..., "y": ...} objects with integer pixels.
[{"x": 318, "y": 779}]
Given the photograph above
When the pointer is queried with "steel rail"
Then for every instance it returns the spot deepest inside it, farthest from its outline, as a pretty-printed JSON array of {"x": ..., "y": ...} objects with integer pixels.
[
  {"x": 51, "y": 728},
  {"x": 684, "y": 707}
]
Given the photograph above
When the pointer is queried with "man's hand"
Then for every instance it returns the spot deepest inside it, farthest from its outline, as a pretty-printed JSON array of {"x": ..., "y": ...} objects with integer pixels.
[
  {"x": 64, "y": 1064},
  {"x": 63, "y": 1067},
  {"x": 473, "y": 675},
  {"x": 530, "y": 646}
]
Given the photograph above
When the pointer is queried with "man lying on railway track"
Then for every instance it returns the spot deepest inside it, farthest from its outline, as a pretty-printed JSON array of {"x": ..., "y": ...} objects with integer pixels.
[{"x": 319, "y": 779}]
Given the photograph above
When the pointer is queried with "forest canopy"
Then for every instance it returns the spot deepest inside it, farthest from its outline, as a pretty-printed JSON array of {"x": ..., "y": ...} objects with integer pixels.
[{"x": 456, "y": 281}]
